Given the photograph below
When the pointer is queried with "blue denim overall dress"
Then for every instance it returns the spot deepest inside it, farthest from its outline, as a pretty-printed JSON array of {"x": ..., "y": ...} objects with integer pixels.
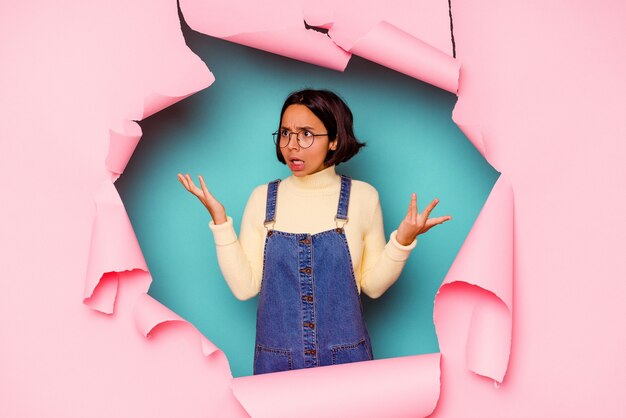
[{"x": 309, "y": 311}]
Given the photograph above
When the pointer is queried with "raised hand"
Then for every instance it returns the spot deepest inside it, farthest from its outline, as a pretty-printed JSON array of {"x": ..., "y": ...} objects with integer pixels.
[
  {"x": 416, "y": 223},
  {"x": 215, "y": 208}
]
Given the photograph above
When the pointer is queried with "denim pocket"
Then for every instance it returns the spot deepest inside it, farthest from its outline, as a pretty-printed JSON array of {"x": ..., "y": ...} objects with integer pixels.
[
  {"x": 350, "y": 353},
  {"x": 269, "y": 360}
]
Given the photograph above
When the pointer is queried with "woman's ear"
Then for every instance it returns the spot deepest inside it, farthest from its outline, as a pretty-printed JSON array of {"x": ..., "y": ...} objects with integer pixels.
[{"x": 333, "y": 145}]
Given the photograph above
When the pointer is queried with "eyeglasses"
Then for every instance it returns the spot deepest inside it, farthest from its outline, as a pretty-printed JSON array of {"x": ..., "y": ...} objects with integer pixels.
[{"x": 305, "y": 138}]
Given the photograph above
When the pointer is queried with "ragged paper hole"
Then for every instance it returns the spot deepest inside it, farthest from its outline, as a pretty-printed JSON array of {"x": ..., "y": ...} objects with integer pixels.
[
  {"x": 224, "y": 133},
  {"x": 315, "y": 28}
]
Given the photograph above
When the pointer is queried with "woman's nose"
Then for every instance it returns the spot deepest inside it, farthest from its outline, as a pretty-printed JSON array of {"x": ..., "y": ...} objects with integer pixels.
[{"x": 293, "y": 144}]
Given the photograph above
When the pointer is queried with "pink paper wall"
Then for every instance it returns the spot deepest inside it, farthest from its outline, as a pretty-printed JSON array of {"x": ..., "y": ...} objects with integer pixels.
[{"x": 541, "y": 92}]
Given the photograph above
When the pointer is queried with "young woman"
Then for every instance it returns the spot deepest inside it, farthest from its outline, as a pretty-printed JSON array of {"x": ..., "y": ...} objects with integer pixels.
[{"x": 311, "y": 243}]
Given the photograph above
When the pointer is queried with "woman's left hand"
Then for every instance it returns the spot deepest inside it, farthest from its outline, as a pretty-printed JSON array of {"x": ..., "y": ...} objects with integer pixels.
[{"x": 417, "y": 223}]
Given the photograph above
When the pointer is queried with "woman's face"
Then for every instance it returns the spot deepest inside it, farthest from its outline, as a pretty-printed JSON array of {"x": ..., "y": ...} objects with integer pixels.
[{"x": 305, "y": 161}]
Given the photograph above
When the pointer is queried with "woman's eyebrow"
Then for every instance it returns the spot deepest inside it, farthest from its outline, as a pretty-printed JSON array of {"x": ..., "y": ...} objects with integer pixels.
[{"x": 310, "y": 128}]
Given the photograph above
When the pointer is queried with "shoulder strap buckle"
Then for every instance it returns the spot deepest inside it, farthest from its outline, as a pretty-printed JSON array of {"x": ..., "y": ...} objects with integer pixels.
[
  {"x": 269, "y": 225},
  {"x": 338, "y": 222}
]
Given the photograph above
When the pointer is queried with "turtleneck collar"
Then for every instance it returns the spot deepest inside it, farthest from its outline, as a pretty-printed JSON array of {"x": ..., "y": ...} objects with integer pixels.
[{"x": 324, "y": 180}]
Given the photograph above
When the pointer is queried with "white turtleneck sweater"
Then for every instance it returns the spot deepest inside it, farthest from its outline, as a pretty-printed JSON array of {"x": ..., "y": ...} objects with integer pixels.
[{"x": 308, "y": 205}]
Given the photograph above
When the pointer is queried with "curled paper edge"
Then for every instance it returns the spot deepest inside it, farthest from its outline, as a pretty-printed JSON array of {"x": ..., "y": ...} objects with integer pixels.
[
  {"x": 409, "y": 385},
  {"x": 471, "y": 130},
  {"x": 150, "y": 314},
  {"x": 114, "y": 249},
  {"x": 155, "y": 102},
  {"x": 473, "y": 133},
  {"x": 387, "y": 45},
  {"x": 492, "y": 233},
  {"x": 122, "y": 146},
  {"x": 384, "y": 44},
  {"x": 283, "y": 33},
  {"x": 103, "y": 296},
  {"x": 300, "y": 43},
  {"x": 489, "y": 337}
]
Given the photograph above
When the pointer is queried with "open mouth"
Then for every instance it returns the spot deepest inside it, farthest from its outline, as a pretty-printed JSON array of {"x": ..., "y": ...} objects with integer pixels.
[{"x": 296, "y": 164}]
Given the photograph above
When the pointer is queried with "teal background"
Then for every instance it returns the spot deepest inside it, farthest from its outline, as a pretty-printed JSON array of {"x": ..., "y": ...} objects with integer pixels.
[{"x": 224, "y": 133}]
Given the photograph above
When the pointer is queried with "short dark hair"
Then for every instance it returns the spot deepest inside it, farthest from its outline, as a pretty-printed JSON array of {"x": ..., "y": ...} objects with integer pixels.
[{"x": 336, "y": 117}]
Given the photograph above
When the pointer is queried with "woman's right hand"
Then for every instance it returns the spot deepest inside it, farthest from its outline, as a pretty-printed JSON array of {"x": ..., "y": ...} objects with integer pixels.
[{"x": 215, "y": 208}]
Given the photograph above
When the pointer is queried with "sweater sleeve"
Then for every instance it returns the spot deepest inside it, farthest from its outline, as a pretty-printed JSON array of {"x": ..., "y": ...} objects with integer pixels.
[
  {"x": 241, "y": 259},
  {"x": 382, "y": 264}
]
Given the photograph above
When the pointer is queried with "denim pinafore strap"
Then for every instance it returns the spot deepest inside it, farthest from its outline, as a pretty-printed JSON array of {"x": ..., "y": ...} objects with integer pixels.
[{"x": 309, "y": 312}]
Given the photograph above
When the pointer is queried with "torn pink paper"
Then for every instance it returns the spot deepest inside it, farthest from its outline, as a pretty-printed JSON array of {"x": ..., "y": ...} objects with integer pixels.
[
  {"x": 155, "y": 102},
  {"x": 350, "y": 20},
  {"x": 275, "y": 26},
  {"x": 473, "y": 133},
  {"x": 122, "y": 146},
  {"x": 308, "y": 46},
  {"x": 77, "y": 73},
  {"x": 399, "y": 387},
  {"x": 485, "y": 261},
  {"x": 114, "y": 248},
  {"x": 411, "y": 37},
  {"x": 491, "y": 236},
  {"x": 284, "y": 33},
  {"x": 381, "y": 34},
  {"x": 489, "y": 338},
  {"x": 387, "y": 45},
  {"x": 530, "y": 86},
  {"x": 150, "y": 314}
]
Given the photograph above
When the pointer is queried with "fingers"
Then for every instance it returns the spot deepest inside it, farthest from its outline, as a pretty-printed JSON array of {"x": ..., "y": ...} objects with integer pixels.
[
  {"x": 192, "y": 186},
  {"x": 436, "y": 221},
  {"x": 430, "y": 207},
  {"x": 205, "y": 191},
  {"x": 430, "y": 222},
  {"x": 183, "y": 181},
  {"x": 189, "y": 185},
  {"x": 411, "y": 213},
  {"x": 186, "y": 181}
]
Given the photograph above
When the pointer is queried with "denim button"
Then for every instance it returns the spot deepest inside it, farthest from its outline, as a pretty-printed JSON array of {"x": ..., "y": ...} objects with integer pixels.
[
  {"x": 306, "y": 241},
  {"x": 307, "y": 270},
  {"x": 308, "y": 298},
  {"x": 339, "y": 230},
  {"x": 269, "y": 233},
  {"x": 309, "y": 324},
  {"x": 310, "y": 352}
]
